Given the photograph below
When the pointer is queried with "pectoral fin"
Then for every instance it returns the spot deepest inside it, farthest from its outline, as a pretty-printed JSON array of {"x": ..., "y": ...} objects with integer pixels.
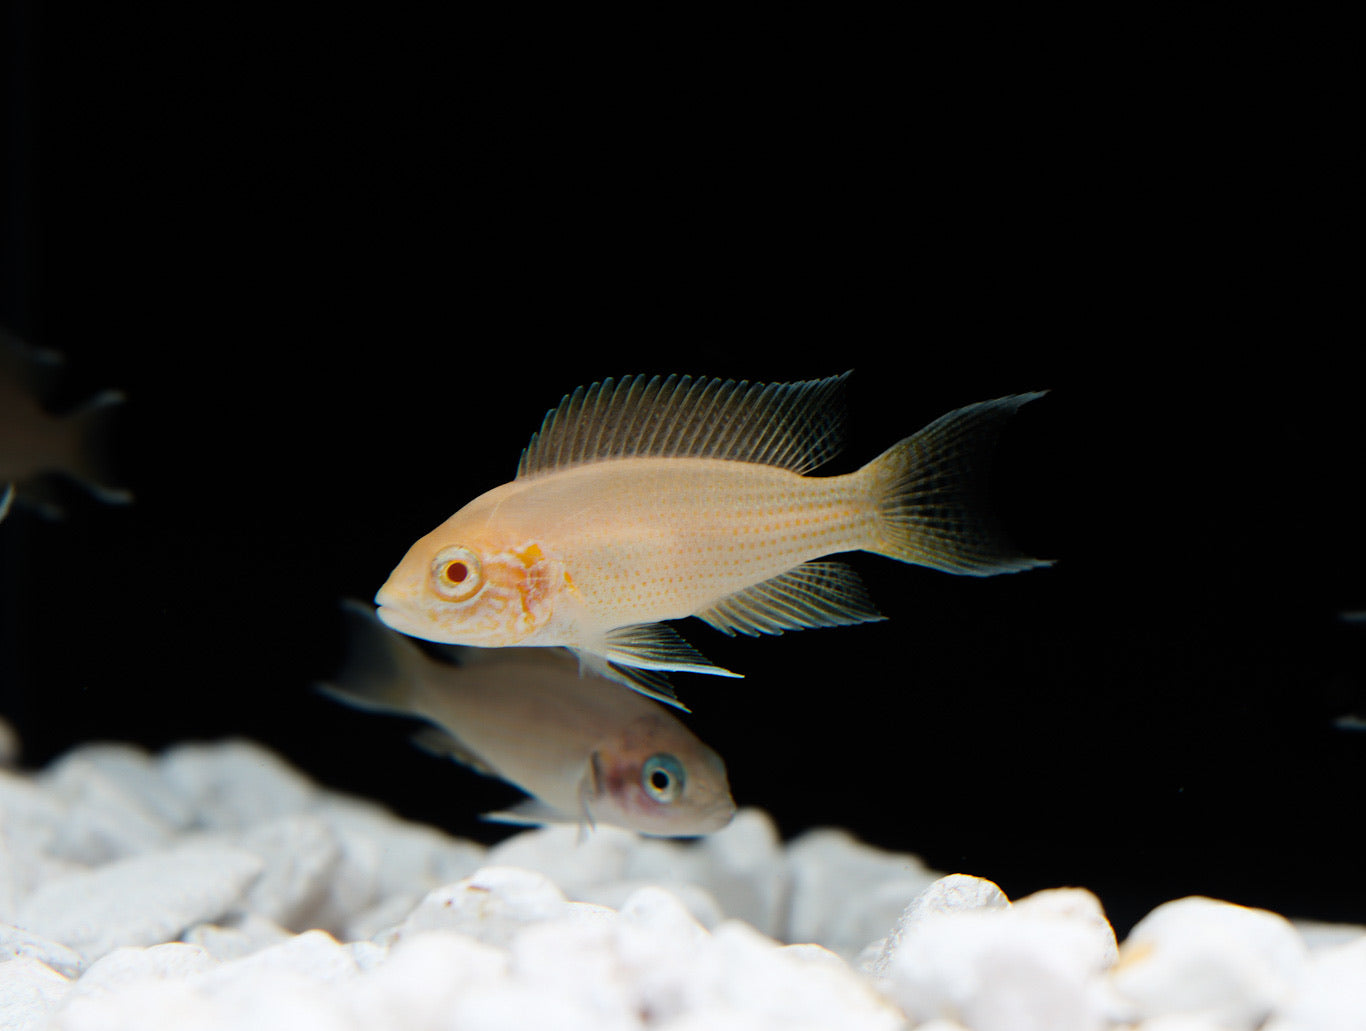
[
  {"x": 590, "y": 788},
  {"x": 534, "y": 812}
]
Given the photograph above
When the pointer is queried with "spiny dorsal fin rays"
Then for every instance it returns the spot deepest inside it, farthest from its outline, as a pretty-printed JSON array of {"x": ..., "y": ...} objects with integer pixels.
[
  {"x": 812, "y": 595},
  {"x": 790, "y": 450},
  {"x": 796, "y": 426}
]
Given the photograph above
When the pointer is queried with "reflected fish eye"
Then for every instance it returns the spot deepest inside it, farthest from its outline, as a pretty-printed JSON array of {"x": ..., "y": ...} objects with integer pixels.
[
  {"x": 662, "y": 777},
  {"x": 456, "y": 573}
]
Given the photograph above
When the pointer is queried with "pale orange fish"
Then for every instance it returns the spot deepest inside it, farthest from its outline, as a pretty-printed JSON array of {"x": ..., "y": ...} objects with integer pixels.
[
  {"x": 35, "y": 445},
  {"x": 587, "y": 749},
  {"x": 648, "y": 500}
]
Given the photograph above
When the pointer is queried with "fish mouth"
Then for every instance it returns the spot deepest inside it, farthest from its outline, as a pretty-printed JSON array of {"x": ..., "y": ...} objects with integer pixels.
[
  {"x": 719, "y": 814},
  {"x": 393, "y": 615}
]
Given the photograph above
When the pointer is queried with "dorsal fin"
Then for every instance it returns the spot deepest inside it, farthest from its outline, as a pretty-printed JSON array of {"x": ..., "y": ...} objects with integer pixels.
[{"x": 797, "y": 426}]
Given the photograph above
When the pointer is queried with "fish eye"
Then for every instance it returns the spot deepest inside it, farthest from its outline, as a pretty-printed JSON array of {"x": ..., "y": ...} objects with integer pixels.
[
  {"x": 662, "y": 777},
  {"x": 456, "y": 573}
]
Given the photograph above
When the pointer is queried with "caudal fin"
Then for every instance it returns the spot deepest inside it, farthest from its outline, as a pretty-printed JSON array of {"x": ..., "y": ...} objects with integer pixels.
[
  {"x": 931, "y": 491},
  {"x": 91, "y": 462},
  {"x": 380, "y": 670}
]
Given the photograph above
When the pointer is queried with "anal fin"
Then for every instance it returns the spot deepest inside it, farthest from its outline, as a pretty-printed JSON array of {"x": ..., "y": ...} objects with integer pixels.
[{"x": 814, "y": 594}]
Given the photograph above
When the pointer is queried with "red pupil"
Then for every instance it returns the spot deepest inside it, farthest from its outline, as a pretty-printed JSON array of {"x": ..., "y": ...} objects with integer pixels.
[{"x": 457, "y": 571}]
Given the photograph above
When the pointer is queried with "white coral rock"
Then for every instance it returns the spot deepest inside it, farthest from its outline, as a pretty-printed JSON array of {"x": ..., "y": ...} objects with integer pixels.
[{"x": 1208, "y": 959}]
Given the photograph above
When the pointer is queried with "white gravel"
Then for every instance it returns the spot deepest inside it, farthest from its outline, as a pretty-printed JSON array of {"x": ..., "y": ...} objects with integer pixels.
[{"x": 214, "y": 886}]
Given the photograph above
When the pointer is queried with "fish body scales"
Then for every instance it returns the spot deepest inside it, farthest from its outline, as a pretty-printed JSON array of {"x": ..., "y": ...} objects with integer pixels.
[{"x": 661, "y": 538}]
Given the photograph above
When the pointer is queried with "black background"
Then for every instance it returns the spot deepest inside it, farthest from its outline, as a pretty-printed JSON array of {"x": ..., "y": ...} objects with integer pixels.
[{"x": 343, "y": 262}]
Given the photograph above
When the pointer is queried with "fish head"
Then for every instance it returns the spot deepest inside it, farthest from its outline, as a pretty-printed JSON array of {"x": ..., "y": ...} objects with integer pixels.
[
  {"x": 656, "y": 778},
  {"x": 460, "y": 586}
]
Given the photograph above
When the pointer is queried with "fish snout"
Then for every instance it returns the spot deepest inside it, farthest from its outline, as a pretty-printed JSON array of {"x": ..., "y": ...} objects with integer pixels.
[
  {"x": 722, "y": 812},
  {"x": 386, "y": 596},
  {"x": 393, "y": 608}
]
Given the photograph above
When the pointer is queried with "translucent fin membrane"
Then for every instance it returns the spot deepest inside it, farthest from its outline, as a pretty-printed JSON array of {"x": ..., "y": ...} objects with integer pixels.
[
  {"x": 796, "y": 426},
  {"x": 932, "y": 492},
  {"x": 658, "y": 646},
  {"x": 814, "y": 594}
]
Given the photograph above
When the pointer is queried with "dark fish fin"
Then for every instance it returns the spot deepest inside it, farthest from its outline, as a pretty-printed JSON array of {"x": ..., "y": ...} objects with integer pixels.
[
  {"x": 813, "y": 594},
  {"x": 91, "y": 463},
  {"x": 931, "y": 492}
]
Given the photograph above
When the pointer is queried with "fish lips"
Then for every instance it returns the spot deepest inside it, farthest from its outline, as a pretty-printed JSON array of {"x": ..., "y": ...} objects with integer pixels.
[
  {"x": 395, "y": 616},
  {"x": 720, "y": 814}
]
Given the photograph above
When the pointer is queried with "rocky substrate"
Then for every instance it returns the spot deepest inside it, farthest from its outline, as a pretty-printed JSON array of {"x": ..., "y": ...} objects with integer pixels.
[{"x": 214, "y": 886}]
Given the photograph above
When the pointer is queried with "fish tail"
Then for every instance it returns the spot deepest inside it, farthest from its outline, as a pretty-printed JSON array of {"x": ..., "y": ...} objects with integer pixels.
[
  {"x": 931, "y": 494},
  {"x": 91, "y": 459},
  {"x": 379, "y": 672}
]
